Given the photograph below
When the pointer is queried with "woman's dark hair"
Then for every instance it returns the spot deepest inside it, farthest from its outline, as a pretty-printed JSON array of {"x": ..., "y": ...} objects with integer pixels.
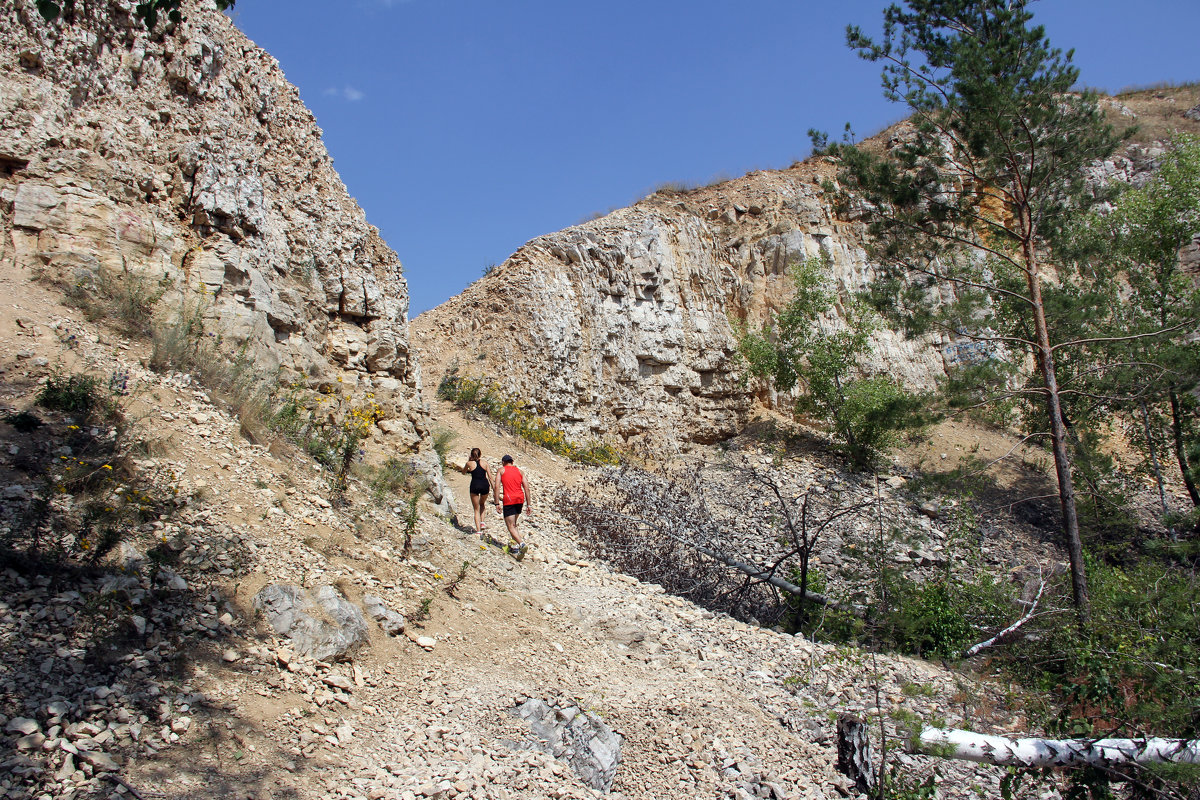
[{"x": 476, "y": 453}]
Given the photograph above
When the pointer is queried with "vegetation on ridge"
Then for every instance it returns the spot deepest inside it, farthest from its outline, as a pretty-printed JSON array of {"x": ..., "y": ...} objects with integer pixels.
[{"x": 489, "y": 399}]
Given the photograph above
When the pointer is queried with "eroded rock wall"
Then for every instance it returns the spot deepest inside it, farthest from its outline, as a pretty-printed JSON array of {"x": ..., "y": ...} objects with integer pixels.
[
  {"x": 622, "y": 328},
  {"x": 186, "y": 158}
]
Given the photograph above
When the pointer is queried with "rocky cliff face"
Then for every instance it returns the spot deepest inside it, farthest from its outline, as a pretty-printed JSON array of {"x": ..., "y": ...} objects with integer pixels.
[
  {"x": 186, "y": 158},
  {"x": 623, "y": 328}
]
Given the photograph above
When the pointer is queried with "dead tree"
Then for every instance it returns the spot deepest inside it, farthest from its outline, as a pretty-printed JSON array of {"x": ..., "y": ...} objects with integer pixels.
[
  {"x": 1104, "y": 754},
  {"x": 663, "y": 528}
]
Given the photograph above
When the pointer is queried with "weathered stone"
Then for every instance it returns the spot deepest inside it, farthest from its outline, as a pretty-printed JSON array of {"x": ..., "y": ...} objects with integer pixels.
[
  {"x": 390, "y": 621},
  {"x": 591, "y": 748},
  {"x": 134, "y": 153},
  {"x": 287, "y": 609},
  {"x": 619, "y": 329},
  {"x": 100, "y": 761},
  {"x": 22, "y": 725}
]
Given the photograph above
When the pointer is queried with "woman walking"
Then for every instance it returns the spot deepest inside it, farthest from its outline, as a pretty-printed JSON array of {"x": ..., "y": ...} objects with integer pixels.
[{"x": 481, "y": 485}]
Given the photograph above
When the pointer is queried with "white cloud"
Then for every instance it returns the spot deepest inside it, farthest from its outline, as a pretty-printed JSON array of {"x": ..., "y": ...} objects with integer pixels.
[{"x": 347, "y": 93}]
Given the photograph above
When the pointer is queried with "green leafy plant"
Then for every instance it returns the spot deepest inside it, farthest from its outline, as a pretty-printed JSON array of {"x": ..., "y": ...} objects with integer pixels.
[
  {"x": 443, "y": 440},
  {"x": 124, "y": 299},
  {"x": 452, "y": 586},
  {"x": 798, "y": 347},
  {"x": 389, "y": 479},
  {"x": 97, "y": 495},
  {"x": 328, "y": 426},
  {"x": 422, "y": 612},
  {"x": 75, "y": 392},
  {"x": 183, "y": 343}
]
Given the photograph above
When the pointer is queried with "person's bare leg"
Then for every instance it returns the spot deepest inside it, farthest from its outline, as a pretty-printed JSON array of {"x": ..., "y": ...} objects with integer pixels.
[
  {"x": 477, "y": 506},
  {"x": 511, "y": 522}
]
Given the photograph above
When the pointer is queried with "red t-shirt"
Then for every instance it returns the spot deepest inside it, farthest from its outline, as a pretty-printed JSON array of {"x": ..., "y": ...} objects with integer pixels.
[{"x": 514, "y": 485}]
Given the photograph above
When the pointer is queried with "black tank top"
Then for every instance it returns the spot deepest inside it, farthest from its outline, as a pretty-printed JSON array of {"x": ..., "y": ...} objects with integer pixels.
[{"x": 479, "y": 480}]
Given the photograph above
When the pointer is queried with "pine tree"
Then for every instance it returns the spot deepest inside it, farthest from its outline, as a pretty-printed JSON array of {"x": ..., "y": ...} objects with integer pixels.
[{"x": 964, "y": 206}]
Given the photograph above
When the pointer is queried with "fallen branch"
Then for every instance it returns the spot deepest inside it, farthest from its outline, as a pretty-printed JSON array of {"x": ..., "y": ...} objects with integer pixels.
[
  {"x": 765, "y": 576},
  {"x": 1011, "y": 629},
  {"x": 1033, "y": 752}
]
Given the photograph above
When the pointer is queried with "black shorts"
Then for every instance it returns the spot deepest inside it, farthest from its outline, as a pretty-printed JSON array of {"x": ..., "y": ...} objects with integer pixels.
[
  {"x": 513, "y": 510},
  {"x": 480, "y": 487}
]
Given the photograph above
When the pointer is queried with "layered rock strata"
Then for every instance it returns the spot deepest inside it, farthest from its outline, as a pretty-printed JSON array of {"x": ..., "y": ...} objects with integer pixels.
[
  {"x": 624, "y": 328},
  {"x": 183, "y": 161}
]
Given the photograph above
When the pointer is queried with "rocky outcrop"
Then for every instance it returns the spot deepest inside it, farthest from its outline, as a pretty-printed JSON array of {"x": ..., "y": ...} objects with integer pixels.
[
  {"x": 185, "y": 159},
  {"x": 290, "y": 613},
  {"x": 623, "y": 328}
]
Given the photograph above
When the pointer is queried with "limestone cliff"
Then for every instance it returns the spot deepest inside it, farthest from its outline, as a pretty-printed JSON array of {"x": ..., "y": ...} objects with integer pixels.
[
  {"x": 622, "y": 328},
  {"x": 184, "y": 156}
]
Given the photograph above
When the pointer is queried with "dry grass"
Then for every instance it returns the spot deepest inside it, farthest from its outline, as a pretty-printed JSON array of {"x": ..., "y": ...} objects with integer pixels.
[{"x": 1160, "y": 111}]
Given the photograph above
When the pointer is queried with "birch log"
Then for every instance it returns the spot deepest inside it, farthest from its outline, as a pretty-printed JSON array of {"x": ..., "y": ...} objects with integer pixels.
[{"x": 1031, "y": 752}]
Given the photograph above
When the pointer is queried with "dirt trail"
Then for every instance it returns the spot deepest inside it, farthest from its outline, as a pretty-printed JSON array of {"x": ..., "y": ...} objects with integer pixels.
[{"x": 208, "y": 702}]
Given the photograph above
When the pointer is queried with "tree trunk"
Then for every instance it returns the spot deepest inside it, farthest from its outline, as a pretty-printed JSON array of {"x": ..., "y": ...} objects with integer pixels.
[
  {"x": 1058, "y": 433},
  {"x": 1180, "y": 453},
  {"x": 854, "y": 753},
  {"x": 1031, "y": 752}
]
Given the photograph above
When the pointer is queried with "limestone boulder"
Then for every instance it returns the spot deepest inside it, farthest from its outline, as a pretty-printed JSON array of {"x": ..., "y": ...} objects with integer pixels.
[
  {"x": 325, "y": 626},
  {"x": 579, "y": 738}
]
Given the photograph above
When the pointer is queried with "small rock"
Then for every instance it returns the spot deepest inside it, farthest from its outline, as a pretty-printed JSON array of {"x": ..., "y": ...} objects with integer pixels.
[
  {"x": 22, "y": 726},
  {"x": 338, "y": 682},
  {"x": 33, "y": 741},
  {"x": 66, "y": 770},
  {"x": 426, "y": 642},
  {"x": 100, "y": 761},
  {"x": 230, "y": 655}
]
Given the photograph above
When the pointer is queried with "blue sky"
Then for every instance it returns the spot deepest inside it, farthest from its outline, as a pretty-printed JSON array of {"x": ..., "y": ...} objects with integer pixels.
[{"x": 465, "y": 128}]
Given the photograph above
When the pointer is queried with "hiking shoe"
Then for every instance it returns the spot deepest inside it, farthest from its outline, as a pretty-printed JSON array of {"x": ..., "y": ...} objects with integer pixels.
[{"x": 521, "y": 551}]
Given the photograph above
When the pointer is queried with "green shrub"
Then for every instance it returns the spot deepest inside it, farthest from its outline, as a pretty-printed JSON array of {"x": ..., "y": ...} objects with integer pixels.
[
  {"x": 443, "y": 440},
  {"x": 1138, "y": 664},
  {"x": 183, "y": 344},
  {"x": 393, "y": 478},
  {"x": 328, "y": 427},
  {"x": 74, "y": 393},
  {"x": 127, "y": 299},
  {"x": 93, "y": 493},
  {"x": 517, "y": 418}
]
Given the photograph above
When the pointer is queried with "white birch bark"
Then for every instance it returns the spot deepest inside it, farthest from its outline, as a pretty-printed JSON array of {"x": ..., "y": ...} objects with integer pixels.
[{"x": 1032, "y": 752}]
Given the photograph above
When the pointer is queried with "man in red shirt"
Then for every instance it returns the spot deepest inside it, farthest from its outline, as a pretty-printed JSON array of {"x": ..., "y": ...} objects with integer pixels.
[{"x": 517, "y": 496}]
